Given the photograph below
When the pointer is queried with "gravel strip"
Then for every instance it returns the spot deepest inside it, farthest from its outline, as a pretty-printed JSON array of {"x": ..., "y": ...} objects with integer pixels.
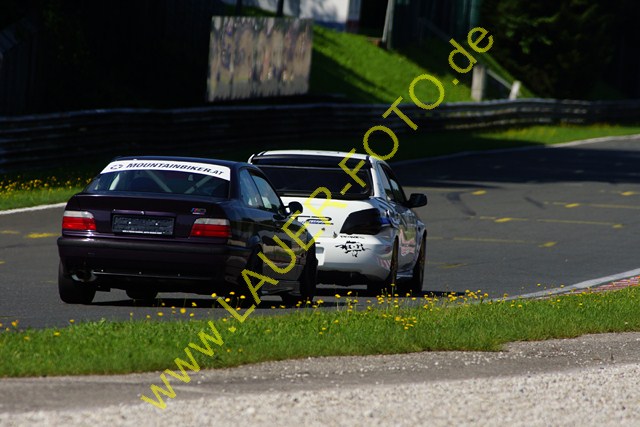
[
  {"x": 602, "y": 396},
  {"x": 591, "y": 380}
]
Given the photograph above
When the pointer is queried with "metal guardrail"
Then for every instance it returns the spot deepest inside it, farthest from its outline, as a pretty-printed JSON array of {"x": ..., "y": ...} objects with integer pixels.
[{"x": 37, "y": 141}]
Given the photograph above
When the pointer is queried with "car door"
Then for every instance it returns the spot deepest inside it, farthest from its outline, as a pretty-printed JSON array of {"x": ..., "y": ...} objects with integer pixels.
[
  {"x": 282, "y": 253},
  {"x": 256, "y": 221},
  {"x": 407, "y": 232}
]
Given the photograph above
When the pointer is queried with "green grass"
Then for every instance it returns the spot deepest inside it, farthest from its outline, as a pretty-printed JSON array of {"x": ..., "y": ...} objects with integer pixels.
[
  {"x": 45, "y": 187},
  {"x": 387, "y": 326},
  {"x": 351, "y": 65},
  {"x": 433, "y": 56}
]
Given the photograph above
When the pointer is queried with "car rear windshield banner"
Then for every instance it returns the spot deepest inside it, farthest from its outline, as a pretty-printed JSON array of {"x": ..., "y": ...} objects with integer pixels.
[{"x": 169, "y": 165}]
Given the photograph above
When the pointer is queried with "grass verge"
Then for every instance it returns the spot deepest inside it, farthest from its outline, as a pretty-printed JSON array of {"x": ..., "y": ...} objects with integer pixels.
[
  {"x": 46, "y": 187},
  {"x": 352, "y": 66},
  {"x": 383, "y": 326}
]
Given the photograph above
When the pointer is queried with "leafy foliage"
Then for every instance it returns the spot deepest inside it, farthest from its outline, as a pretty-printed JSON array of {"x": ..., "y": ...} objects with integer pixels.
[{"x": 559, "y": 48}]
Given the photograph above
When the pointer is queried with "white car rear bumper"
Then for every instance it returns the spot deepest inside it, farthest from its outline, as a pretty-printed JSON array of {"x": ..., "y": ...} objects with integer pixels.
[{"x": 367, "y": 255}]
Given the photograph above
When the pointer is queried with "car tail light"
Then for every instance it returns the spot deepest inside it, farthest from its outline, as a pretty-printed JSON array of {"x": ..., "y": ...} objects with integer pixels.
[
  {"x": 211, "y": 227},
  {"x": 364, "y": 222},
  {"x": 78, "y": 221}
]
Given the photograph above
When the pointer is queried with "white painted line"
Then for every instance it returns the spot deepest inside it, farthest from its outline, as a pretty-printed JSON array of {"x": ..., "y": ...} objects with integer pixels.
[
  {"x": 516, "y": 149},
  {"x": 34, "y": 208},
  {"x": 582, "y": 285}
]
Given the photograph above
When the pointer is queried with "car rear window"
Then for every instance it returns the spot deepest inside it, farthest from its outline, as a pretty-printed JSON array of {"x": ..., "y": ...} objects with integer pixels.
[
  {"x": 160, "y": 181},
  {"x": 303, "y": 181}
]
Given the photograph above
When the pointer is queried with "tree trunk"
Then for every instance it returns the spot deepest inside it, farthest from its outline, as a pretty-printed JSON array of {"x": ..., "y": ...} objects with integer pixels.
[{"x": 280, "y": 10}]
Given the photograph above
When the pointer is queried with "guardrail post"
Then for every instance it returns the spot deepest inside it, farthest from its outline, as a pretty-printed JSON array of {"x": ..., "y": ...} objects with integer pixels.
[
  {"x": 478, "y": 82},
  {"x": 515, "y": 90}
]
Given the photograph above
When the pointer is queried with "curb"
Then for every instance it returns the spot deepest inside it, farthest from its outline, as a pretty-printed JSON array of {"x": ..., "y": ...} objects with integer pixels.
[{"x": 601, "y": 284}]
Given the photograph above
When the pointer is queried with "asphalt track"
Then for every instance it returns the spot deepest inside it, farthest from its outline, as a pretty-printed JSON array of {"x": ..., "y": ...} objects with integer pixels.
[{"x": 507, "y": 222}]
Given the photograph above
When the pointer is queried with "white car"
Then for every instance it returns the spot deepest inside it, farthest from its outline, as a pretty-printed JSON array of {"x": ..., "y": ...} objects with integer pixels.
[{"x": 364, "y": 233}]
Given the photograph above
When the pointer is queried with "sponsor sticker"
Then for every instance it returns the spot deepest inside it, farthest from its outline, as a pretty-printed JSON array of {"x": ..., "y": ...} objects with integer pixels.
[{"x": 169, "y": 165}]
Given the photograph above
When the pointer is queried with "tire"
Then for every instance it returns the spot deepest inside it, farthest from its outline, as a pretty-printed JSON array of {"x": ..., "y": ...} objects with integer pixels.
[
  {"x": 73, "y": 292},
  {"x": 308, "y": 281},
  {"x": 254, "y": 264},
  {"x": 387, "y": 285},
  {"x": 414, "y": 285},
  {"x": 142, "y": 294}
]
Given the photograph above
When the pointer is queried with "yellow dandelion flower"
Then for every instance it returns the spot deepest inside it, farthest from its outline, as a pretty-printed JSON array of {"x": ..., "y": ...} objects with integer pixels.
[
  {"x": 213, "y": 295},
  {"x": 160, "y": 314},
  {"x": 190, "y": 314},
  {"x": 193, "y": 304},
  {"x": 183, "y": 310},
  {"x": 71, "y": 321},
  {"x": 56, "y": 334},
  {"x": 26, "y": 338},
  {"x": 14, "y": 323}
]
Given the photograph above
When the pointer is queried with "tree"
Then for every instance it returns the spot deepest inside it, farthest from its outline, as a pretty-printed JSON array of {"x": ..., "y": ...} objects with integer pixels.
[{"x": 558, "y": 48}]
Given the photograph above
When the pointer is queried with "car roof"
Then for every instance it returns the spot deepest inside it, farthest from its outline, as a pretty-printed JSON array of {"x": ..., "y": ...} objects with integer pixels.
[
  {"x": 311, "y": 158},
  {"x": 327, "y": 153}
]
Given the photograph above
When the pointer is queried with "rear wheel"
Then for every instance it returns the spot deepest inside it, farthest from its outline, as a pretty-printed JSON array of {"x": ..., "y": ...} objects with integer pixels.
[
  {"x": 386, "y": 286},
  {"x": 414, "y": 285},
  {"x": 254, "y": 264},
  {"x": 308, "y": 281},
  {"x": 146, "y": 295},
  {"x": 72, "y": 291}
]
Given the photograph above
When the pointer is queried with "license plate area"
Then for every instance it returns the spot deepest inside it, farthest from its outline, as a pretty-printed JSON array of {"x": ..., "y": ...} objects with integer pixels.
[{"x": 122, "y": 224}]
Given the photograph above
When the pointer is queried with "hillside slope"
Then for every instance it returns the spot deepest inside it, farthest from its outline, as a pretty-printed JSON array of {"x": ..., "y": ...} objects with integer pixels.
[{"x": 352, "y": 66}]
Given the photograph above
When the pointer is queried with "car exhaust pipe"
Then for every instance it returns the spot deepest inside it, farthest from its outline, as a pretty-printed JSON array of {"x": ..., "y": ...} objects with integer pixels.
[{"x": 84, "y": 276}]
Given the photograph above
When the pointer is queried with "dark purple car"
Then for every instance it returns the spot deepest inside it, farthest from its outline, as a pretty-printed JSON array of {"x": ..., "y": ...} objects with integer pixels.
[{"x": 176, "y": 224}]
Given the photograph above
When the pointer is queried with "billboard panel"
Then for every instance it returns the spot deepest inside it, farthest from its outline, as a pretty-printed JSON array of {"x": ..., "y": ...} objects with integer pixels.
[{"x": 252, "y": 57}]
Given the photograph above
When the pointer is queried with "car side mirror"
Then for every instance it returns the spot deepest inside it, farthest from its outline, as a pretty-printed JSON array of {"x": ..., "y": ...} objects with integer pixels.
[
  {"x": 294, "y": 207},
  {"x": 417, "y": 199}
]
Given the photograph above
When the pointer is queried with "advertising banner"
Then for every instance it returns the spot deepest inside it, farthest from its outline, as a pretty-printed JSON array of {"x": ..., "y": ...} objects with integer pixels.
[{"x": 254, "y": 57}]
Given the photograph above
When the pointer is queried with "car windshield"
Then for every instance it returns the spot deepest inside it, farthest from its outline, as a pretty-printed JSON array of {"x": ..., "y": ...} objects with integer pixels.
[
  {"x": 303, "y": 181},
  {"x": 160, "y": 181}
]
